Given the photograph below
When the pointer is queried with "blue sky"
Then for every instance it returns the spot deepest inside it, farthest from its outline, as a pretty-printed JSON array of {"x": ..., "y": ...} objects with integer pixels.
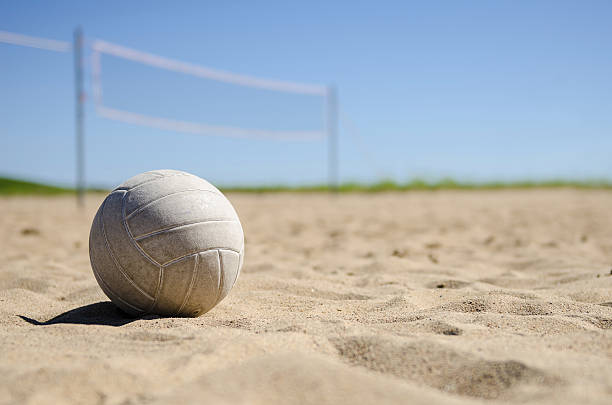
[{"x": 475, "y": 90}]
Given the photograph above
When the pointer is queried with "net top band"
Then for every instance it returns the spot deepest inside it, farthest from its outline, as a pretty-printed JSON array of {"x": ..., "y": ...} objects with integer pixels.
[{"x": 206, "y": 72}]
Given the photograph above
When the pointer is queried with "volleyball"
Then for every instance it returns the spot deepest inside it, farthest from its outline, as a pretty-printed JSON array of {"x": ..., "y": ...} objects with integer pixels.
[{"x": 166, "y": 242}]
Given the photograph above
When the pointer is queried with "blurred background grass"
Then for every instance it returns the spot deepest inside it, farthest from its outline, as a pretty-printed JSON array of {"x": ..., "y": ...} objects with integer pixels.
[{"x": 9, "y": 186}]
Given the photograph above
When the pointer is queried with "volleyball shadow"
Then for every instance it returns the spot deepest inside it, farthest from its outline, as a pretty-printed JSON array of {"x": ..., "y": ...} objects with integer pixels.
[{"x": 100, "y": 313}]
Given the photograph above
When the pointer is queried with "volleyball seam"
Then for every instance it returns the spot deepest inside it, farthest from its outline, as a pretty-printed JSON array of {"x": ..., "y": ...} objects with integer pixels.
[
  {"x": 194, "y": 276},
  {"x": 142, "y": 253},
  {"x": 221, "y": 277},
  {"x": 179, "y": 226},
  {"x": 110, "y": 251},
  {"x": 109, "y": 291}
]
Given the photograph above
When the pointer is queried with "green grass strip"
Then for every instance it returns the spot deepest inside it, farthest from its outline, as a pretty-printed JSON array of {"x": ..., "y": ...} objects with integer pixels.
[{"x": 10, "y": 186}]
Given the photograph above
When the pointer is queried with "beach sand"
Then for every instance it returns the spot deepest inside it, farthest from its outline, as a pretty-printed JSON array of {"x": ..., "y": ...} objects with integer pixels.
[{"x": 420, "y": 297}]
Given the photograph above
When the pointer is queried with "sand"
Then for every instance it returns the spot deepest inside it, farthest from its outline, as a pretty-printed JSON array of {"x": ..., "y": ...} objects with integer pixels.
[{"x": 432, "y": 297}]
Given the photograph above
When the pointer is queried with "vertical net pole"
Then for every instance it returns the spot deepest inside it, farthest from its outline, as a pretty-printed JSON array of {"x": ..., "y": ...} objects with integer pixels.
[
  {"x": 332, "y": 137},
  {"x": 79, "y": 115}
]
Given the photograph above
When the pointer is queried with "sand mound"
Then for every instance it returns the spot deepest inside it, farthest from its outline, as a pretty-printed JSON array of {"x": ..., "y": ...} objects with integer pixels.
[
  {"x": 299, "y": 379},
  {"x": 441, "y": 367}
]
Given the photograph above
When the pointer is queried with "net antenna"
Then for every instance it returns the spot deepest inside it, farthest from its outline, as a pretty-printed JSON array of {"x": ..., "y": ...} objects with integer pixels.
[{"x": 79, "y": 115}]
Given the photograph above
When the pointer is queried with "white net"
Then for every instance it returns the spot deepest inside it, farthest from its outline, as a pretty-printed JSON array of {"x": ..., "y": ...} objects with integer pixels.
[
  {"x": 100, "y": 47},
  {"x": 245, "y": 114}
]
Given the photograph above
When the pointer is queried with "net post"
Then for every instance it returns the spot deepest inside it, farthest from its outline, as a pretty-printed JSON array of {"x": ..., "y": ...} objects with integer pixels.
[
  {"x": 79, "y": 115},
  {"x": 332, "y": 136}
]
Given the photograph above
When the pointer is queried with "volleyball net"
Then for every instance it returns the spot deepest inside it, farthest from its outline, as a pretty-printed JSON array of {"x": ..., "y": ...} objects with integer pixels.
[
  {"x": 100, "y": 48},
  {"x": 90, "y": 52}
]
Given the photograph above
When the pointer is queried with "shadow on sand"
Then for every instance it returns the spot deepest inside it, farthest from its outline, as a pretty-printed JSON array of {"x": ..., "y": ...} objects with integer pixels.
[{"x": 100, "y": 313}]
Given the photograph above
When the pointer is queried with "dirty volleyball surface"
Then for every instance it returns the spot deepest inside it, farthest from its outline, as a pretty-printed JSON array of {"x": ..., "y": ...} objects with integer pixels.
[
  {"x": 444, "y": 297},
  {"x": 166, "y": 242}
]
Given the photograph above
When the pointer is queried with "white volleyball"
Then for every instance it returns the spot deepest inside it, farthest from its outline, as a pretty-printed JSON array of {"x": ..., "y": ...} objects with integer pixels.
[{"x": 166, "y": 242}]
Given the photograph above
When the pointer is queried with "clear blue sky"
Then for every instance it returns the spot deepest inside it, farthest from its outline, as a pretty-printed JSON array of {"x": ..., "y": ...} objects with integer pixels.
[{"x": 476, "y": 90}]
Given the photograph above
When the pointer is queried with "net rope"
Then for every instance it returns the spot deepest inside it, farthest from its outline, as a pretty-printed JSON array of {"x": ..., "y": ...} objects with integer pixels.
[
  {"x": 34, "y": 42},
  {"x": 201, "y": 129}
]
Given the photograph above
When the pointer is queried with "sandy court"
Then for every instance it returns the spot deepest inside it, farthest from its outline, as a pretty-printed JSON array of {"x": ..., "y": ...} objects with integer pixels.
[{"x": 424, "y": 297}]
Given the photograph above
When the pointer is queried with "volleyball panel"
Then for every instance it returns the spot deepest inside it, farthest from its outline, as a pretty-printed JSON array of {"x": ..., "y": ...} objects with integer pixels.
[
  {"x": 206, "y": 287},
  {"x": 181, "y": 208},
  {"x": 189, "y": 239},
  {"x": 230, "y": 265},
  {"x": 177, "y": 284},
  {"x": 140, "y": 270},
  {"x": 148, "y": 192},
  {"x": 119, "y": 287}
]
